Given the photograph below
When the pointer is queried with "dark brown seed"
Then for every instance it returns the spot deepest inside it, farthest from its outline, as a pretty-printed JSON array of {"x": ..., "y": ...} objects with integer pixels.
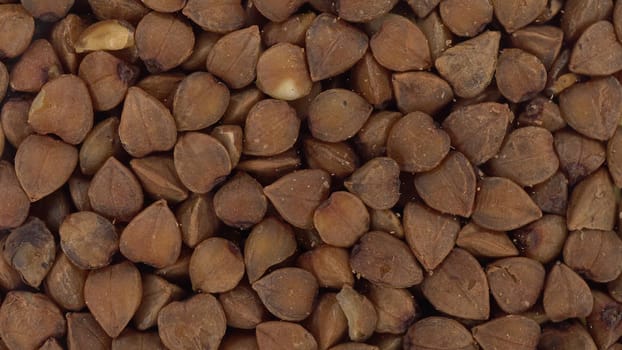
[
  {"x": 46, "y": 11},
  {"x": 65, "y": 284},
  {"x": 470, "y": 66},
  {"x": 580, "y": 14},
  {"x": 502, "y": 205},
  {"x": 341, "y": 220},
  {"x": 438, "y": 333},
  {"x": 592, "y": 204},
  {"x": 88, "y": 240},
  {"x": 216, "y": 266},
  {"x": 520, "y": 75},
  {"x": 333, "y": 46},
  {"x": 107, "y": 78},
  {"x": 152, "y": 237},
  {"x": 159, "y": 178},
  {"x": 30, "y": 250},
  {"x": 543, "y": 239},
  {"x": 157, "y": 293},
  {"x": 63, "y": 107},
  {"x": 566, "y": 336},
  {"x": 542, "y": 41},
  {"x": 372, "y": 138},
  {"x": 478, "y": 130},
  {"x": 459, "y": 287},
  {"x": 360, "y": 313},
  {"x": 51, "y": 344},
  {"x": 464, "y": 17},
  {"x": 551, "y": 195},
  {"x": 376, "y": 183},
  {"x": 296, "y": 195},
  {"x": 146, "y": 124},
  {"x": 10, "y": 279},
  {"x": 421, "y": 91},
  {"x": 163, "y": 41},
  {"x": 276, "y": 10},
  {"x": 244, "y": 44},
  {"x": 197, "y": 219},
  {"x": 605, "y": 321},
  {"x": 354, "y": 346},
  {"x": 615, "y": 288},
  {"x": 204, "y": 42},
  {"x": 240, "y": 202},
  {"x": 327, "y": 323},
  {"x": 271, "y": 128},
  {"x": 15, "y": 205},
  {"x": 449, "y": 188},
  {"x": 53, "y": 209},
  {"x": 371, "y": 80},
  {"x": 115, "y": 192},
  {"x": 200, "y": 101},
  {"x": 330, "y": 266},
  {"x": 43, "y": 165},
  {"x": 268, "y": 169},
  {"x": 423, "y": 7},
  {"x": 597, "y": 120},
  {"x": 269, "y": 243},
  {"x": 383, "y": 259},
  {"x": 595, "y": 254},
  {"x": 288, "y": 293},
  {"x": 515, "y": 283},
  {"x": 614, "y": 157},
  {"x": 337, "y": 114},
  {"x": 100, "y": 144},
  {"x": 196, "y": 322},
  {"x": 37, "y": 66},
  {"x": 240, "y": 104},
  {"x": 128, "y": 10},
  {"x": 177, "y": 272},
  {"x": 165, "y": 5},
  {"x": 400, "y": 45},
  {"x": 363, "y": 11},
  {"x": 239, "y": 340},
  {"x": 338, "y": 159},
  {"x": 429, "y": 234},
  {"x": 508, "y": 332},
  {"x": 201, "y": 161},
  {"x": 566, "y": 295},
  {"x": 417, "y": 131},
  {"x": 527, "y": 157},
  {"x": 284, "y": 335},
  {"x": 79, "y": 192},
  {"x": 219, "y": 17},
  {"x": 292, "y": 30},
  {"x": 113, "y": 295},
  {"x": 542, "y": 112},
  {"x": 162, "y": 86},
  {"x": 17, "y": 30},
  {"x": 4, "y": 80},
  {"x": 83, "y": 332},
  {"x": 597, "y": 52},
  {"x": 396, "y": 308},
  {"x": 485, "y": 243},
  {"x": 28, "y": 319},
  {"x": 515, "y": 14},
  {"x": 440, "y": 38},
  {"x": 282, "y": 72},
  {"x": 243, "y": 307}
]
